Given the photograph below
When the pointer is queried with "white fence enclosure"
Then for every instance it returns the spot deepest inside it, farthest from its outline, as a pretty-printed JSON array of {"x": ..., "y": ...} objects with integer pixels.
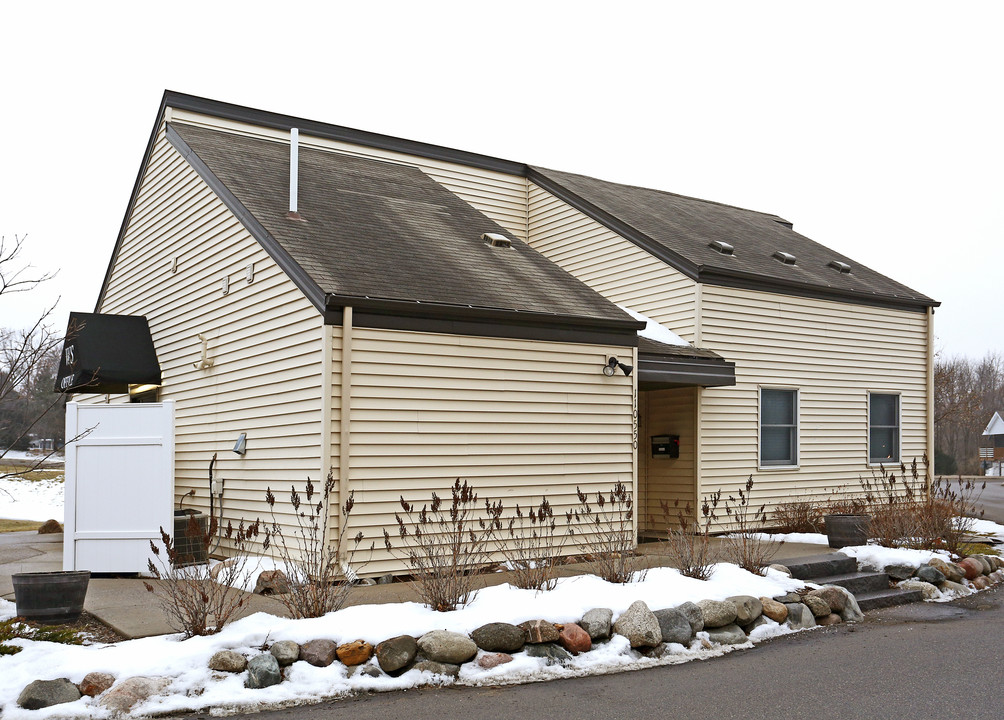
[{"x": 119, "y": 488}]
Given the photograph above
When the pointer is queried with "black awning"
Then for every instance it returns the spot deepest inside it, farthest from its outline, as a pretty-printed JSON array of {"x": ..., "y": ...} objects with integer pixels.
[
  {"x": 107, "y": 354},
  {"x": 668, "y": 366}
]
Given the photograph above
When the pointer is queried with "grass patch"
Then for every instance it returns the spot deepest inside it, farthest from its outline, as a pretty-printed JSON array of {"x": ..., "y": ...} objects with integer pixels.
[
  {"x": 48, "y": 474},
  {"x": 18, "y": 628},
  {"x": 18, "y": 525},
  {"x": 977, "y": 548}
]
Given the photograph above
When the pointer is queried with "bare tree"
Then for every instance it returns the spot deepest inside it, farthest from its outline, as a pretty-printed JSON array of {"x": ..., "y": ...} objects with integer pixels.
[
  {"x": 967, "y": 392},
  {"x": 26, "y": 361}
]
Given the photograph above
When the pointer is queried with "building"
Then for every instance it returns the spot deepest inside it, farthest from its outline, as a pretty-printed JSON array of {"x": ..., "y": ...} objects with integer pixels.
[{"x": 403, "y": 314}]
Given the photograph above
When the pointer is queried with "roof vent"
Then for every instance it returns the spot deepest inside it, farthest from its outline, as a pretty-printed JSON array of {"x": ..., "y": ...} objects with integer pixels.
[
  {"x": 786, "y": 258},
  {"x": 723, "y": 247},
  {"x": 840, "y": 267},
  {"x": 496, "y": 240}
]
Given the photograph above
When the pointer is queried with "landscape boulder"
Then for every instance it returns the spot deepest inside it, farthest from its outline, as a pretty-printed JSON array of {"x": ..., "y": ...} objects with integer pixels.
[
  {"x": 951, "y": 571},
  {"x": 898, "y": 571},
  {"x": 574, "y": 639},
  {"x": 228, "y": 661},
  {"x": 95, "y": 683},
  {"x": 818, "y": 606},
  {"x": 396, "y": 653},
  {"x": 40, "y": 694},
  {"x": 929, "y": 574},
  {"x": 717, "y": 613},
  {"x": 490, "y": 660},
  {"x": 539, "y": 631},
  {"x": 674, "y": 625},
  {"x": 800, "y": 617},
  {"x": 499, "y": 637},
  {"x": 271, "y": 582},
  {"x": 929, "y": 590},
  {"x": 286, "y": 652},
  {"x": 354, "y": 653},
  {"x": 123, "y": 696},
  {"x": 448, "y": 647},
  {"x": 639, "y": 625},
  {"x": 748, "y": 608},
  {"x": 833, "y": 595},
  {"x": 693, "y": 615},
  {"x": 597, "y": 622},
  {"x": 774, "y": 610},
  {"x": 263, "y": 672},
  {"x": 551, "y": 652},
  {"x": 319, "y": 653},
  {"x": 831, "y": 619},
  {"x": 730, "y": 634},
  {"x": 438, "y": 668},
  {"x": 972, "y": 567}
]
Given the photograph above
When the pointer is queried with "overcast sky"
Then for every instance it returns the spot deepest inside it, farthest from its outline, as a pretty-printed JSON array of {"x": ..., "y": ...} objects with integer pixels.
[{"x": 875, "y": 127}]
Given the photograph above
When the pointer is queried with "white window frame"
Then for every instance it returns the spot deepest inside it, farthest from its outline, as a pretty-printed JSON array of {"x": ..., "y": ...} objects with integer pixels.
[
  {"x": 759, "y": 428},
  {"x": 875, "y": 462}
]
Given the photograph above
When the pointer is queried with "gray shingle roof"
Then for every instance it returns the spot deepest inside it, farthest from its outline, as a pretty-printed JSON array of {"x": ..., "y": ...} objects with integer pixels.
[
  {"x": 650, "y": 347},
  {"x": 681, "y": 229},
  {"x": 383, "y": 230}
]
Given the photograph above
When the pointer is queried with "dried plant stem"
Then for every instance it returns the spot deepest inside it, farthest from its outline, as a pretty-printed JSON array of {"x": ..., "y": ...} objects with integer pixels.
[
  {"x": 606, "y": 531},
  {"x": 532, "y": 546}
]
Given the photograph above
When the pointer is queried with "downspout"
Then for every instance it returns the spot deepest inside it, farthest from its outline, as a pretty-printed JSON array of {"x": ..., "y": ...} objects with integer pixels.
[
  {"x": 640, "y": 502},
  {"x": 327, "y": 365},
  {"x": 345, "y": 419},
  {"x": 930, "y": 398},
  {"x": 698, "y": 400}
]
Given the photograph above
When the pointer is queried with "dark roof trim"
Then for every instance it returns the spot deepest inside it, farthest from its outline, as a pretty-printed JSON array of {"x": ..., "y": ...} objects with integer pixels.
[
  {"x": 463, "y": 324},
  {"x": 296, "y": 273},
  {"x": 657, "y": 373},
  {"x": 688, "y": 268},
  {"x": 240, "y": 113},
  {"x": 749, "y": 281},
  {"x": 722, "y": 276}
]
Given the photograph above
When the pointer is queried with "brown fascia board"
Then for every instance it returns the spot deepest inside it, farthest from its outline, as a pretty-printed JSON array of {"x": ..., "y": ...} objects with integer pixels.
[{"x": 405, "y": 312}]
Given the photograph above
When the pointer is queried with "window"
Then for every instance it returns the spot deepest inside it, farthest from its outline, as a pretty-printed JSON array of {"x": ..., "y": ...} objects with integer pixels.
[
  {"x": 883, "y": 428},
  {"x": 778, "y": 428}
]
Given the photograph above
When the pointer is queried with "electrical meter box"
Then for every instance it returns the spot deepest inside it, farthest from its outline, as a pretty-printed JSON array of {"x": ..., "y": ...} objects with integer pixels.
[{"x": 666, "y": 446}]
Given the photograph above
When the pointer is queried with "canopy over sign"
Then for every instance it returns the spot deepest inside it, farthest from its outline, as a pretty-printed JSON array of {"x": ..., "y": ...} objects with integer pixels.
[{"x": 107, "y": 354}]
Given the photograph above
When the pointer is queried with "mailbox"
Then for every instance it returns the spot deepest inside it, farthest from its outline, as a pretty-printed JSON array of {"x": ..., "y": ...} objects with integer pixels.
[{"x": 666, "y": 446}]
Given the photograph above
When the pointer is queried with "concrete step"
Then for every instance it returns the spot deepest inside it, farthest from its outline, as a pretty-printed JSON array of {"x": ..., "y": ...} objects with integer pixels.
[
  {"x": 811, "y": 567},
  {"x": 856, "y": 582},
  {"x": 887, "y": 598}
]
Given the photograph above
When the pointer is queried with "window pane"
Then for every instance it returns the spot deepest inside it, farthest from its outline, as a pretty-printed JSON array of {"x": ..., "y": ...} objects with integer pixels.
[
  {"x": 883, "y": 410},
  {"x": 777, "y": 446},
  {"x": 777, "y": 407},
  {"x": 884, "y": 445}
]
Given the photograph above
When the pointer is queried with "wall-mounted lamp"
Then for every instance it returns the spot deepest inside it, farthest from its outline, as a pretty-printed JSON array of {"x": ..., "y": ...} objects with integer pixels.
[
  {"x": 241, "y": 446},
  {"x": 613, "y": 363}
]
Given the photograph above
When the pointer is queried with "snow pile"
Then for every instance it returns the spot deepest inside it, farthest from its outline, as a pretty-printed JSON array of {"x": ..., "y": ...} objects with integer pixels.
[
  {"x": 655, "y": 331},
  {"x": 22, "y": 499},
  {"x": 195, "y": 688},
  {"x": 876, "y": 557}
]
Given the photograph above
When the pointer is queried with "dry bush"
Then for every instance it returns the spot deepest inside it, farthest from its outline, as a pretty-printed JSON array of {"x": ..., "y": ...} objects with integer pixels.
[
  {"x": 747, "y": 545},
  {"x": 446, "y": 547},
  {"x": 319, "y": 571},
  {"x": 194, "y": 600},
  {"x": 891, "y": 502},
  {"x": 953, "y": 510},
  {"x": 689, "y": 540},
  {"x": 607, "y": 531},
  {"x": 801, "y": 515},
  {"x": 532, "y": 546}
]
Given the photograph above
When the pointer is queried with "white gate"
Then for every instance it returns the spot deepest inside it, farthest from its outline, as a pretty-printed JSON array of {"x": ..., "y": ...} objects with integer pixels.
[{"x": 119, "y": 488}]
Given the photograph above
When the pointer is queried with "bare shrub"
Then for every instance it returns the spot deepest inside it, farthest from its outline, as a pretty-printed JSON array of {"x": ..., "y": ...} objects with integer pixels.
[
  {"x": 800, "y": 515},
  {"x": 195, "y": 601},
  {"x": 319, "y": 571},
  {"x": 446, "y": 547},
  {"x": 747, "y": 545},
  {"x": 953, "y": 510},
  {"x": 689, "y": 539},
  {"x": 532, "y": 546},
  {"x": 607, "y": 532}
]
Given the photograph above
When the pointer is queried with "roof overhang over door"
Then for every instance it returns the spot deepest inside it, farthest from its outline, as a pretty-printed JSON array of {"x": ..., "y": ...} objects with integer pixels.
[
  {"x": 662, "y": 372},
  {"x": 107, "y": 354}
]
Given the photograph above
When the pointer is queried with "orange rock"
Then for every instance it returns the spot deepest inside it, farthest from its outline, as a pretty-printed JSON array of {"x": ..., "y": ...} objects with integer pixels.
[
  {"x": 574, "y": 639},
  {"x": 354, "y": 653}
]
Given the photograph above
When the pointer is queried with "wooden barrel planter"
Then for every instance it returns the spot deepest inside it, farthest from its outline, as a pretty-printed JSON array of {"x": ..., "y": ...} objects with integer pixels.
[
  {"x": 846, "y": 530},
  {"x": 51, "y": 597}
]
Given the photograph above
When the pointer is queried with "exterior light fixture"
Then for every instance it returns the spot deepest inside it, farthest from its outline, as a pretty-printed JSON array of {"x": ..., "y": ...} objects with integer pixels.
[
  {"x": 613, "y": 363},
  {"x": 241, "y": 446}
]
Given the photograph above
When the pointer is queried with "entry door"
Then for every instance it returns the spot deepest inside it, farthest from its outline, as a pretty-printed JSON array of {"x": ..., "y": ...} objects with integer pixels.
[{"x": 119, "y": 488}]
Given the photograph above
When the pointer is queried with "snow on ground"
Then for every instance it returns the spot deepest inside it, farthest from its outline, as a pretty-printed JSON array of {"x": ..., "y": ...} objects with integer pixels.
[
  {"x": 808, "y": 538},
  {"x": 876, "y": 557},
  {"x": 989, "y": 528},
  {"x": 55, "y": 459},
  {"x": 31, "y": 499},
  {"x": 195, "y": 688}
]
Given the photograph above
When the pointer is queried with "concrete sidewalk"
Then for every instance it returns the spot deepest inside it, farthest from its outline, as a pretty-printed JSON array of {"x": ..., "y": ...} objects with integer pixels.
[{"x": 124, "y": 604}]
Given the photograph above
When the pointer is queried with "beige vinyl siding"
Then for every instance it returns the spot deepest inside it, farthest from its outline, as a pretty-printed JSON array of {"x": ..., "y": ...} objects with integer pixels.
[
  {"x": 610, "y": 264},
  {"x": 663, "y": 479},
  {"x": 833, "y": 354},
  {"x": 264, "y": 339},
  {"x": 500, "y": 196},
  {"x": 515, "y": 418}
]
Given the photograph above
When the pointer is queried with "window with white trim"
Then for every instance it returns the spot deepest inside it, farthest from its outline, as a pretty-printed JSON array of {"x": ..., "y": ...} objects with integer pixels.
[
  {"x": 778, "y": 427},
  {"x": 883, "y": 428}
]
